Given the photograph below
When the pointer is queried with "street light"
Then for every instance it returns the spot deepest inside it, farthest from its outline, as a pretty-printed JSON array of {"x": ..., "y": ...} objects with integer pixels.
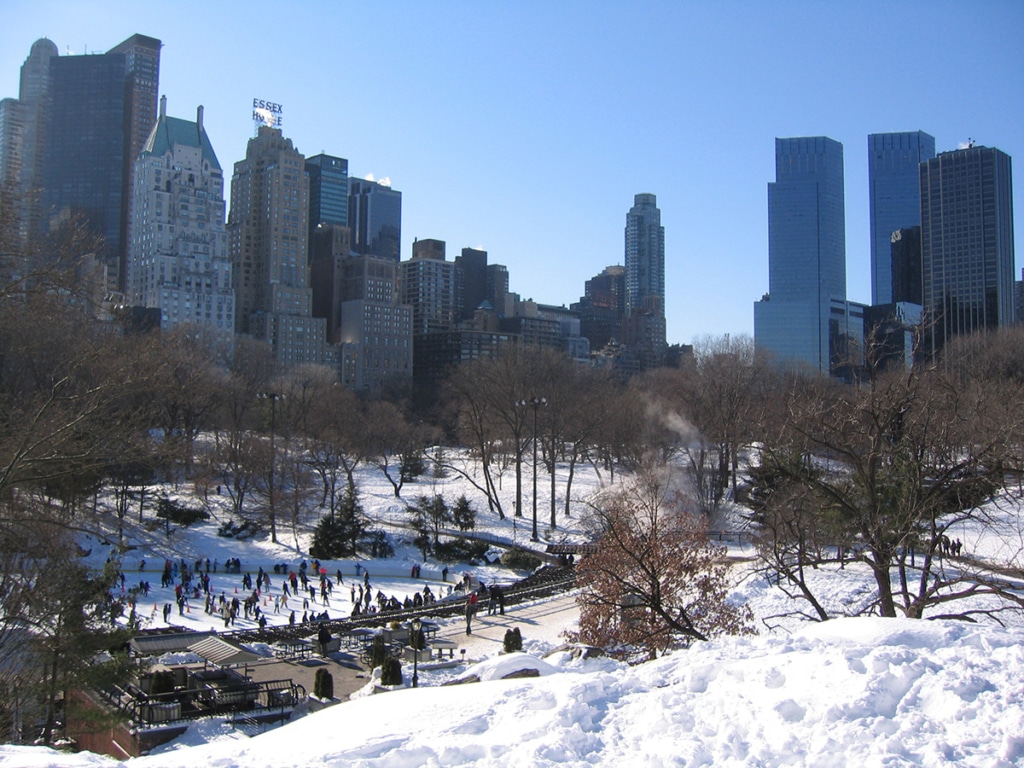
[
  {"x": 536, "y": 402},
  {"x": 416, "y": 624}
]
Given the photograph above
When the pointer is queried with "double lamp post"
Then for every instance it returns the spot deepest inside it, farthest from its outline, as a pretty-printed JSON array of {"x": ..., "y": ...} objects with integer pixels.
[{"x": 535, "y": 402}]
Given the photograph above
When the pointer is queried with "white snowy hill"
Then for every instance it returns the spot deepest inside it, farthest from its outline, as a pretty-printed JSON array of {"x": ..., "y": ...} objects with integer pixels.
[{"x": 850, "y": 692}]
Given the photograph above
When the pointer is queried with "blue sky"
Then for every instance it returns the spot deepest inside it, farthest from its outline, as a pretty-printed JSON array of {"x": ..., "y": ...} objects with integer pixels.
[{"x": 525, "y": 128}]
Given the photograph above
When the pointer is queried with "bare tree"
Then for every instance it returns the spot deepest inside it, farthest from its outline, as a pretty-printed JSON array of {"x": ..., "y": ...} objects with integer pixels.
[
  {"x": 656, "y": 581},
  {"x": 886, "y": 468}
]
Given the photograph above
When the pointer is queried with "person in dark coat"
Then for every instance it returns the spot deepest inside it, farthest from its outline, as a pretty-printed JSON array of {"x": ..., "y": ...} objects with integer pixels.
[
  {"x": 471, "y": 604},
  {"x": 323, "y": 635}
]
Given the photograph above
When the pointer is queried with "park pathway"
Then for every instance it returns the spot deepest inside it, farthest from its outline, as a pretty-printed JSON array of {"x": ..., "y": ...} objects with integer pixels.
[{"x": 539, "y": 620}]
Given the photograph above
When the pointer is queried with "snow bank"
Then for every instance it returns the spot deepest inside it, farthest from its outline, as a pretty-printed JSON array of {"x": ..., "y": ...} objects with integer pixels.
[{"x": 851, "y": 692}]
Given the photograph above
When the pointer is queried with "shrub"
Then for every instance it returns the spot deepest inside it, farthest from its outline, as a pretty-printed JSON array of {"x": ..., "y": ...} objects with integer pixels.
[
  {"x": 229, "y": 530},
  {"x": 461, "y": 550},
  {"x": 513, "y": 640},
  {"x": 323, "y": 684},
  {"x": 378, "y": 652},
  {"x": 161, "y": 682},
  {"x": 520, "y": 559},
  {"x": 376, "y": 542},
  {"x": 172, "y": 512},
  {"x": 333, "y": 538},
  {"x": 463, "y": 514},
  {"x": 391, "y": 671}
]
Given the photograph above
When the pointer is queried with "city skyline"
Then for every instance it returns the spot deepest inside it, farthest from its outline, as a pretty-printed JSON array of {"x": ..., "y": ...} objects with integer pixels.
[{"x": 506, "y": 128}]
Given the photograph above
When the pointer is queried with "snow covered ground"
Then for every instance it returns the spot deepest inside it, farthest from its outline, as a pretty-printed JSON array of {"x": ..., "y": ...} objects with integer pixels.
[{"x": 849, "y": 692}]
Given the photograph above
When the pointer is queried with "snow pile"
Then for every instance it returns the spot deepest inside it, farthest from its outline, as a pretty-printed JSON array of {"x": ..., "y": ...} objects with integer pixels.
[{"x": 850, "y": 692}]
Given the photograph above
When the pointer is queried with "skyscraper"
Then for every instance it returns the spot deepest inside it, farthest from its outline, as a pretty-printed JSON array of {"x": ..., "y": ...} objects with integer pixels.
[
  {"x": 100, "y": 111},
  {"x": 895, "y": 198},
  {"x": 967, "y": 242},
  {"x": 806, "y": 255},
  {"x": 470, "y": 281},
  {"x": 267, "y": 231},
  {"x": 376, "y": 330},
  {"x": 22, "y": 131},
  {"x": 602, "y": 306},
  {"x": 178, "y": 256},
  {"x": 427, "y": 284},
  {"x": 645, "y": 281},
  {"x": 328, "y": 192},
  {"x": 375, "y": 218},
  {"x": 645, "y": 253}
]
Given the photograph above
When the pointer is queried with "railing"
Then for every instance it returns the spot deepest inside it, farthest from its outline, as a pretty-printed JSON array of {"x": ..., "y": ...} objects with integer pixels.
[
  {"x": 260, "y": 701},
  {"x": 545, "y": 582}
]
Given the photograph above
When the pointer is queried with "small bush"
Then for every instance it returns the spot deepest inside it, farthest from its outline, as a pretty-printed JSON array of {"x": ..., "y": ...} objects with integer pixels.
[
  {"x": 376, "y": 542},
  {"x": 161, "y": 682},
  {"x": 323, "y": 684},
  {"x": 229, "y": 530},
  {"x": 463, "y": 514},
  {"x": 391, "y": 671},
  {"x": 513, "y": 640},
  {"x": 461, "y": 550},
  {"x": 378, "y": 652},
  {"x": 520, "y": 559},
  {"x": 172, "y": 512}
]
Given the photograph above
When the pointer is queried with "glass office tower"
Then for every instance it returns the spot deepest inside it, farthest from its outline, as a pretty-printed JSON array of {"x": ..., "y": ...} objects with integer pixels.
[
  {"x": 328, "y": 192},
  {"x": 895, "y": 198},
  {"x": 101, "y": 109},
  {"x": 375, "y": 218},
  {"x": 806, "y": 254},
  {"x": 967, "y": 241}
]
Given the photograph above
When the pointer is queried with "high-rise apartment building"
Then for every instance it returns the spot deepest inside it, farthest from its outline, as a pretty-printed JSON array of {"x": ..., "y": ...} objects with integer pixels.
[
  {"x": 178, "y": 256},
  {"x": 645, "y": 252},
  {"x": 267, "y": 231},
  {"x": 375, "y": 218},
  {"x": 805, "y": 316},
  {"x": 330, "y": 246},
  {"x": 602, "y": 307},
  {"x": 645, "y": 280},
  {"x": 895, "y": 198},
  {"x": 427, "y": 284},
  {"x": 470, "y": 281},
  {"x": 966, "y": 242},
  {"x": 376, "y": 329},
  {"x": 100, "y": 110}
]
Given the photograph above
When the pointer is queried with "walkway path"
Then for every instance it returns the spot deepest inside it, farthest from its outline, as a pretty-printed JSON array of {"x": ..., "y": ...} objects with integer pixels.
[{"x": 540, "y": 620}]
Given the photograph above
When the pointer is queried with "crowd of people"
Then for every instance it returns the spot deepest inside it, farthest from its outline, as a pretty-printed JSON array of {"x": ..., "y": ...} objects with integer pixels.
[{"x": 302, "y": 593}]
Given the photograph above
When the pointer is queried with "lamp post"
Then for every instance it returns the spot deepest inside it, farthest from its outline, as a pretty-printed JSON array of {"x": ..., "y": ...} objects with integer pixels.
[
  {"x": 416, "y": 624},
  {"x": 273, "y": 397},
  {"x": 535, "y": 402}
]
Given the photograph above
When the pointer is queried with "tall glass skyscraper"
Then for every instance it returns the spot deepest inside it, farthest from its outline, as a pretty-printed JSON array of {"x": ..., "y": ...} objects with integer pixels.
[
  {"x": 328, "y": 192},
  {"x": 375, "y": 217},
  {"x": 806, "y": 254},
  {"x": 967, "y": 241},
  {"x": 895, "y": 198},
  {"x": 644, "y": 326},
  {"x": 100, "y": 112},
  {"x": 645, "y": 253}
]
